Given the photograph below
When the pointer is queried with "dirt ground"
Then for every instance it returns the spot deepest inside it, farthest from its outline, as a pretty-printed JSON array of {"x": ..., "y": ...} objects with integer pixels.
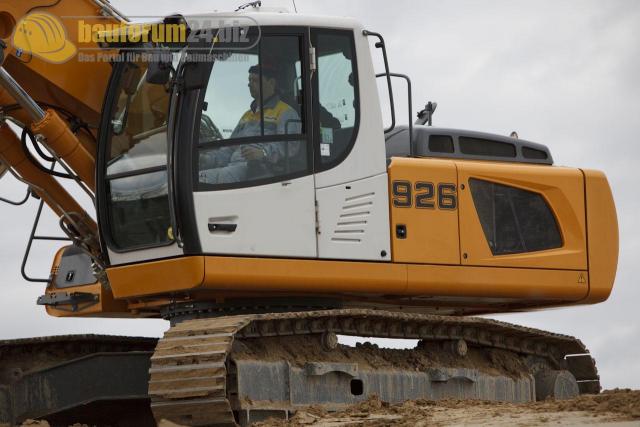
[
  {"x": 619, "y": 408},
  {"x": 615, "y": 408}
]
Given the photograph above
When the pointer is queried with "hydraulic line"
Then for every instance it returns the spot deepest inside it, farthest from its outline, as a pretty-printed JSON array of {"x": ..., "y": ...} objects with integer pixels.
[
  {"x": 56, "y": 197},
  {"x": 58, "y": 136}
]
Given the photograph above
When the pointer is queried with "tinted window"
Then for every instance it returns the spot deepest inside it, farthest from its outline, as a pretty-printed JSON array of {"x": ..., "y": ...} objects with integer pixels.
[
  {"x": 485, "y": 147},
  {"x": 252, "y": 128},
  {"x": 138, "y": 204},
  {"x": 440, "y": 144},
  {"x": 532, "y": 153},
  {"x": 337, "y": 101},
  {"x": 514, "y": 220}
]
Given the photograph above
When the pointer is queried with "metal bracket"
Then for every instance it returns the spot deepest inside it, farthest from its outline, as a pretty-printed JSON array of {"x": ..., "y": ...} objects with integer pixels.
[
  {"x": 313, "y": 59},
  {"x": 443, "y": 376},
  {"x": 319, "y": 369},
  {"x": 77, "y": 300}
]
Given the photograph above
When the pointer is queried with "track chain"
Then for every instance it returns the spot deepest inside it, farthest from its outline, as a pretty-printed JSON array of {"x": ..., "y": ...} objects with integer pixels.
[{"x": 188, "y": 382}]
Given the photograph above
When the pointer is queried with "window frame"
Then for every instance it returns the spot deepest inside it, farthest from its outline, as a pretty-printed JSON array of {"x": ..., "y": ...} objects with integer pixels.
[
  {"x": 305, "y": 114},
  {"x": 317, "y": 140},
  {"x": 103, "y": 199}
]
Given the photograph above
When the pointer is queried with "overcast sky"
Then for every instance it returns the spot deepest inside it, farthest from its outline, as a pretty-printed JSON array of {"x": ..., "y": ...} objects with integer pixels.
[{"x": 562, "y": 73}]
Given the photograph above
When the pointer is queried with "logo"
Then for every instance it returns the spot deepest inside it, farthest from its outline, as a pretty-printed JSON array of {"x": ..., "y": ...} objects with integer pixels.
[
  {"x": 43, "y": 36},
  {"x": 131, "y": 33}
]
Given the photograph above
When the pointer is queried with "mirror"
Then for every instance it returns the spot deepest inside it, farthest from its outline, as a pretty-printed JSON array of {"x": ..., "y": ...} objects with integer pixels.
[{"x": 160, "y": 68}]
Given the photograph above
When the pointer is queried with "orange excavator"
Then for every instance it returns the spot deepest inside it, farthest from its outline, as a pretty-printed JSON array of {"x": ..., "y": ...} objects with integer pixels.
[{"x": 246, "y": 190}]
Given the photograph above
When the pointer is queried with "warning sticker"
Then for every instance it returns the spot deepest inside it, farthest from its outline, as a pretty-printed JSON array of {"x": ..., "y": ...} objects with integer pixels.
[{"x": 326, "y": 135}]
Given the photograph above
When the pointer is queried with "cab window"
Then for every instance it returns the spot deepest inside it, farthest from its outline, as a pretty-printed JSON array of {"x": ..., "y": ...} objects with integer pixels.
[
  {"x": 136, "y": 162},
  {"x": 514, "y": 221},
  {"x": 337, "y": 107},
  {"x": 252, "y": 128}
]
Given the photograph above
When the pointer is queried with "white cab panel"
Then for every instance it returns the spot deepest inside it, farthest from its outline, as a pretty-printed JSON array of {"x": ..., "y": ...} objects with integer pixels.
[
  {"x": 144, "y": 255},
  {"x": 276, "y": 220},
  {"x": 354, "y": 220}
]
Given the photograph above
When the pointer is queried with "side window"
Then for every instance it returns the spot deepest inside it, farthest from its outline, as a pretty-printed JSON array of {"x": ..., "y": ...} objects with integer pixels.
[
  {"x": 136, "y": 172},
  {"x": 337, "y": 107},
  {"x": 513, "y": 220},
  {"x": 252, "y": 129}
]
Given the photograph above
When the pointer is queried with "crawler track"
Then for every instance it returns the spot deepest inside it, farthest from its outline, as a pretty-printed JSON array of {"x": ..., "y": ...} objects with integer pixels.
[
  {"x": 189, "y": 371},
  {"x": 22, "y": 356},
  {"x": 71, "y": 378}
]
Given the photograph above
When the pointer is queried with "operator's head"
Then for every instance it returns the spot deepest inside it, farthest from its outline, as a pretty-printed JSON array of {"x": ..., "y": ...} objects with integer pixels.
[{"x": 269, "y": 79}]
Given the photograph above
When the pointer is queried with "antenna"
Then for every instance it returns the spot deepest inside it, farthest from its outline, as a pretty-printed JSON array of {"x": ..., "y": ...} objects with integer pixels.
[
  {"x": 295, "y": 8},
  {"x": 253, "y": 4}
]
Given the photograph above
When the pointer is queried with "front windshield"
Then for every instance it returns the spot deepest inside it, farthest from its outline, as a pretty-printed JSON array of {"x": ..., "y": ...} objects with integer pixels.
[
  {"x": 138, "y": 123},
  {"x": 136, "y": 170}
]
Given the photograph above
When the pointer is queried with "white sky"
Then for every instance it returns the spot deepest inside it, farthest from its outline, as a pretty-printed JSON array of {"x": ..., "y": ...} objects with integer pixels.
[{"x": 563, "y": 73}]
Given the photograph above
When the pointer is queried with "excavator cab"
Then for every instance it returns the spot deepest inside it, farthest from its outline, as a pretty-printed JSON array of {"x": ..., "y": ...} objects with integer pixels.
[{"x": 230, "y": 156}]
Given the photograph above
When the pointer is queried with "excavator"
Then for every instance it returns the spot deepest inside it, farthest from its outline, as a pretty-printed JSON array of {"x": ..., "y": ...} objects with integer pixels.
[{"x": 243, "y": 187}]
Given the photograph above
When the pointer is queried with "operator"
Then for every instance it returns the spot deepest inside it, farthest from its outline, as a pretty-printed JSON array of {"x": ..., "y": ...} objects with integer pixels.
[{"x": 251, "y": 161}]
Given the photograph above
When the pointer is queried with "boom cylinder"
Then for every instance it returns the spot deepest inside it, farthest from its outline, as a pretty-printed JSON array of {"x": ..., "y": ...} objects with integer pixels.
[
  {"x": 59, "y": 137},
  {"x": 20, "y": 95},
  {"x": 67, "y": 146},
  {"x": 54, "y": 195}
]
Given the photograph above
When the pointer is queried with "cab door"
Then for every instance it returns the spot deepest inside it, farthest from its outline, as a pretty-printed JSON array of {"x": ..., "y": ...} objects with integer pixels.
[
  {"x": 252, "y": 167},
  {"x": 134, "y": 204}
]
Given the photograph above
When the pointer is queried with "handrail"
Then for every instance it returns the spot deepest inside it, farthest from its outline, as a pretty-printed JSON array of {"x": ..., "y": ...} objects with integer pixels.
[
  {"x": 381, "y": 45},
  {"x": 410, "y": 102}
]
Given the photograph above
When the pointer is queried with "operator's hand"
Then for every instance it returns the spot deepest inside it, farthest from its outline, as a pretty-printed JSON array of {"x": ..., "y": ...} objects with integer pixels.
[{"x": 253, "y": 153}]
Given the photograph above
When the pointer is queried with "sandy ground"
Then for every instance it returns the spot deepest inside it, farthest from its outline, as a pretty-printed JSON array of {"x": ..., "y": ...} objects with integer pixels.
[{"x": 619, "y": 408}]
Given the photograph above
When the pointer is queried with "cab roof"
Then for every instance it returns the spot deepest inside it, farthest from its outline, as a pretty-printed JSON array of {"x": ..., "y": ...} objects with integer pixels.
[{"x": 270, "y": 17}]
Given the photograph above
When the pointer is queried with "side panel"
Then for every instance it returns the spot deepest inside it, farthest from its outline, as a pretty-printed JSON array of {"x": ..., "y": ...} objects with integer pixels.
[
  {"x": 304, "y": 276},
  {"x": 158, "y": 277},
  {"x": 431, "y": 224},
  {"x": 561, "y": 188},
  {"x": 353, "y": 221},
  {"x": 276, "y": 220},
  {"x": 526, "y": 285},
  {"x": 602, "y": 223},
  {"x": 228, "y": 276}
]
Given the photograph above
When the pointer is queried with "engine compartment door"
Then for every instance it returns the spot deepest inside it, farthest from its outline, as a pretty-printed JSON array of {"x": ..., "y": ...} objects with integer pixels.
[
  {"x": 525, "y": 216},
  {"x": 424, "y": 211}
]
